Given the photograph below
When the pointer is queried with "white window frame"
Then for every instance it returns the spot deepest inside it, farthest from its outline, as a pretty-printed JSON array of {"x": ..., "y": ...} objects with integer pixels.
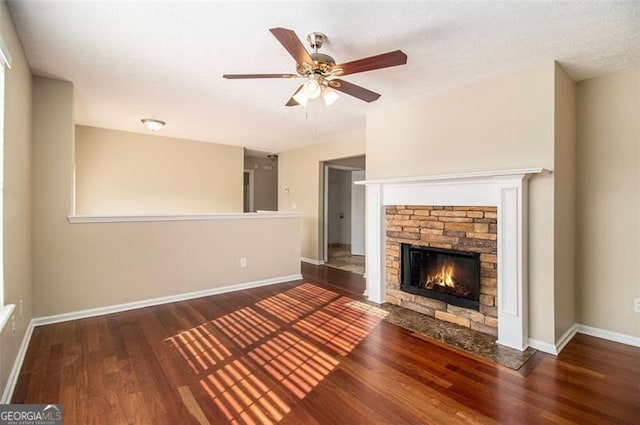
[
  {"x": 5, "y": 62},
  {"x": 2, "y": 81}
]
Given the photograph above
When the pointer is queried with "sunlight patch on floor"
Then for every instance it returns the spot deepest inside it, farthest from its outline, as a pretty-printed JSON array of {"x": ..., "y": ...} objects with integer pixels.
[
  {"x": 200, "y": 348},
  {"x": 298, "y": 365},
  {"x": 281, "y": 339},
  {"x": 242, "y": 397}
]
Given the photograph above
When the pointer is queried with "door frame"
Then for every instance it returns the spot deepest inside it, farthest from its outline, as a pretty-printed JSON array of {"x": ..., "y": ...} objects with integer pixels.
[
  {"x": 325, "y": 202},
  {"x": 361, "y": 190},
  {"x": 251, "y": 188}
]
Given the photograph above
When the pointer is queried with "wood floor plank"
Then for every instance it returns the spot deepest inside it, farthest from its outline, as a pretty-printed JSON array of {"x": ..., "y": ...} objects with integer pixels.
[{"x": 296, "y": 353}]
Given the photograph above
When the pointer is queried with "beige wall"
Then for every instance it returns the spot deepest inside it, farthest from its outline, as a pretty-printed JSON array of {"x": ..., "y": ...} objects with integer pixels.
[
  {"x": 503, "y": 123},
  {"x": 17, "y": 192},
  {"x": 52, "y": 174},
  {"x": 82, "y": 266},
  {"x": 564, "y": 203},
  {"x": 120, "y": 172},
  {"x": 608, "y": 256},
  {"x": 101, "y": 264},
  {"x": 265, "y": 182},
  {"x": 299, "y": 172}
]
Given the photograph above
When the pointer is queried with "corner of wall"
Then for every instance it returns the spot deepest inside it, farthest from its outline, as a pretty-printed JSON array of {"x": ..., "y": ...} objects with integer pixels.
[{"x": 564, "y": 244}]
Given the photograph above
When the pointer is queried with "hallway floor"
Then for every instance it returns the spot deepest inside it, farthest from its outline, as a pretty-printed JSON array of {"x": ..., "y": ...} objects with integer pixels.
[{"x": 340, "y": 258}]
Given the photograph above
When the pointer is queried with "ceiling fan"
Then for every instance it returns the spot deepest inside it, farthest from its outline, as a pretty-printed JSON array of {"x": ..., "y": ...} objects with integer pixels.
[{"x": 321, "y": 72}]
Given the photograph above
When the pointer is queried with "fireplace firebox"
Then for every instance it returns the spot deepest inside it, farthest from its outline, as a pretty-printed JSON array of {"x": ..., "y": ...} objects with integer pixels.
[{"x": 444, "y": 274}]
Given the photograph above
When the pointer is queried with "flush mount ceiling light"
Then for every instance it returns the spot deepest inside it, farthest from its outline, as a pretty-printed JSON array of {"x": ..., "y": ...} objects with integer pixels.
[{"x": 152, "y": 124}]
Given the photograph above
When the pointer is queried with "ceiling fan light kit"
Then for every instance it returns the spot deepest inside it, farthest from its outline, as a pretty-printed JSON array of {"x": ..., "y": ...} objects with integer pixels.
[
  {"x": 329, "y": 96},
  {"x": 299, "y": 98},
  {"x": 321, "y": 72},
  {"x": 312, "y": 88}
]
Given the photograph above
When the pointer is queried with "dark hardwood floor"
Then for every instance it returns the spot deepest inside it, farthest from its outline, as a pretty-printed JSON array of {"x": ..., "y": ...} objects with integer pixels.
[{"x": 298, "y": 353}]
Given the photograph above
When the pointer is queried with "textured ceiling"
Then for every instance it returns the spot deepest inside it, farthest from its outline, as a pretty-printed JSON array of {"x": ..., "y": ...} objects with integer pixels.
[{"x": 130, "y": 60}]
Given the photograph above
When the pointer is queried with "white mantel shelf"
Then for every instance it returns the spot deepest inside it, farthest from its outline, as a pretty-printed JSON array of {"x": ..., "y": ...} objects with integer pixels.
[
  {"x": 182, "y": 217},
  {"x": 480, "y": 175},
  {"x": 505, "y": 189}
]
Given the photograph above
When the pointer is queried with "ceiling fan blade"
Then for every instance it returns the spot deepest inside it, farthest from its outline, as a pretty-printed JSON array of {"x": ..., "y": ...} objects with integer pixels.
[
  {"x": 245, "y": 76},
  {"x": 292, "y": 101},
  {"x": 294, "y": 46},
  {"x": 354, "y": 90},
  {"x": 384, "y": 60}
]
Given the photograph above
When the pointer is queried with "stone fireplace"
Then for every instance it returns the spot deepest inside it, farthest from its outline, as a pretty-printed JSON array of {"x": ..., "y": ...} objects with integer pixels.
[
  {"x": 500, "y": 196},
  {"x": 441, "y": 261}
]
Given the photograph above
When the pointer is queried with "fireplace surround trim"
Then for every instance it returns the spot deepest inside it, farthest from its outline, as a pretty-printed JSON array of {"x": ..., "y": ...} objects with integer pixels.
[{"x": 505, "y": 189}]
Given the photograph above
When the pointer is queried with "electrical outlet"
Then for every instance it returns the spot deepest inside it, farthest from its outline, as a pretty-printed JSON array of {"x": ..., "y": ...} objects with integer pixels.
[
  {"x": 636, "y": 305},
  {"x": 243, "y": 263}
]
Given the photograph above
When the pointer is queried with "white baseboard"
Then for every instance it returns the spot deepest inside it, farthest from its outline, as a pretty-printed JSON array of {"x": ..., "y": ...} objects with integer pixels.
[
  {"x": 312, "y": 261},
  {"x": 559, "y": 345},
  {"x": 543, "y": 346},
  {"x": 17, "y": 366},
  {"x": 586, "y": 330},
  {"x": 100, "y": 311},
  {"x": 565, "y": 338},
  {"x": 609, "y": 335}
]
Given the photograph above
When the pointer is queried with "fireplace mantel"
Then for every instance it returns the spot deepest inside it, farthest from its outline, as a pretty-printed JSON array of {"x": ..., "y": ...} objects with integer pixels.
[
  {"x": 479, "y": 175},
  {"x": 505, "y": 189}
]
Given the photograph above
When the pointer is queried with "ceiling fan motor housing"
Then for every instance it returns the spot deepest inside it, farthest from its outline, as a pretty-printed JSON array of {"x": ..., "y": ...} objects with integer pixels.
[{"x": 322, "y": 65}]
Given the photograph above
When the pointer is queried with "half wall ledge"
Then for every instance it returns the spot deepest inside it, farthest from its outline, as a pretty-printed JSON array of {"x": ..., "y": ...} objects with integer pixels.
[{"x": 77, "y": 219}]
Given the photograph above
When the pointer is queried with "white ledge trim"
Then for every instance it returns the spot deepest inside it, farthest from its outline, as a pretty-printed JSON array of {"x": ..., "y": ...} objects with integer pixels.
[
  {"x": 458, "y": 176},
  {"x": 181, "y": 217}
]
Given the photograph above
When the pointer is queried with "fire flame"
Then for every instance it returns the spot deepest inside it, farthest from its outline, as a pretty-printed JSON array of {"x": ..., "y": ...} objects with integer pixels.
[{"x": 442, "y": 278}]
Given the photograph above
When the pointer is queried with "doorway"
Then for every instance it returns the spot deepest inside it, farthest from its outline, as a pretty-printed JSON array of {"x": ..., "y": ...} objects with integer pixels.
[
  {"x": 248, "y": 191},
  {"x": 344, "y": 214},
  {"x": 260, "y": 181}
]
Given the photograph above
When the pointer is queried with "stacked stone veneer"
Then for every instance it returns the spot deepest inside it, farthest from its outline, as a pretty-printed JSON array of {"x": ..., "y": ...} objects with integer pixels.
[{"x": 469, "y": 229}]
